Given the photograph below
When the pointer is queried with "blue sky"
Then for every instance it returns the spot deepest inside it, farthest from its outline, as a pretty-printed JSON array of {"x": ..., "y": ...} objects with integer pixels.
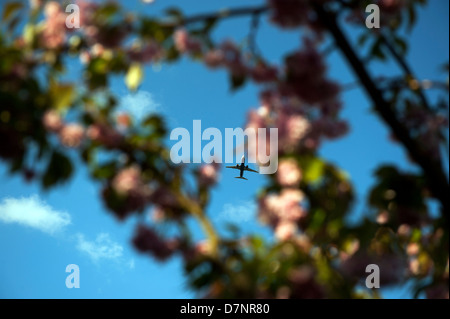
[{"x": 69, "y": 225}]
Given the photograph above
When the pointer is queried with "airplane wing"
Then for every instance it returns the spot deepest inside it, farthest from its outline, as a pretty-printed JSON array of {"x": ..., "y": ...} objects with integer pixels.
[
  {"x": 235, "y": 167},
  {"x": 251, "y": 170}
]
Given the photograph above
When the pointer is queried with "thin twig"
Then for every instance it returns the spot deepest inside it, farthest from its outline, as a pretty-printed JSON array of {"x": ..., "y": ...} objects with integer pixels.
[
  {"x": 222, "y": 14},
  {"x": 404, "y": 65}
]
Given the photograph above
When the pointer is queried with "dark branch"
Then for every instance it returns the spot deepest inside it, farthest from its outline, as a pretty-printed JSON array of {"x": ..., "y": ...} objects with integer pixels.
[
  {"x": 226, "y": 13},
  {"x": 436, "y": 179},
  {"x": 406, "y": 69}
]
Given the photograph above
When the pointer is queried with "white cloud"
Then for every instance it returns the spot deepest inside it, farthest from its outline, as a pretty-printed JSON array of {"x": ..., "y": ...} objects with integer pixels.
[
  {"x": 34, "y": 213},
  {"x": 243, "y": 211},
  {"x": 131, "y": 264},
  {"x": 139, "y": 104},
  {"x": 101, "y": 248}
]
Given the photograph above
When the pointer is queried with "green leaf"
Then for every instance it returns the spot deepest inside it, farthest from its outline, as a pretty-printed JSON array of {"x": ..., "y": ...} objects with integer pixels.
[
  {"x": 175, "y": 13},
  {"x": 313, "y": 171},
  {"x": 376, "y": 50},
  {"x": 209, "y": 24},
  {"x": 237, "y": 82},
  {"x": 134, "y": 76},
  {"x": 412, "y": 17},
  {"x": 363, "y": 38},
  {"x": 28, "y": 34},
  {"x": 59, "y": 170},
  {"x": 10, "y": 9},
  {"x": 105, "y": 171},
  {"x": 62, "y": 95},
  {"x": 401, "y": 45}
]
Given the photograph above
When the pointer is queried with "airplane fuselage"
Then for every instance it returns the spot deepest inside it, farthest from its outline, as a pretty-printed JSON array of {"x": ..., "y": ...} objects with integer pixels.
[
  {"x": 242, "y": 167},
  {"x": 241, "y": 170}
]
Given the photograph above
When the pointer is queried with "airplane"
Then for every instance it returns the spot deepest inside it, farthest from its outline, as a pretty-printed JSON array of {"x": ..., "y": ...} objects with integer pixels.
[{"x": 242, "y": 168}]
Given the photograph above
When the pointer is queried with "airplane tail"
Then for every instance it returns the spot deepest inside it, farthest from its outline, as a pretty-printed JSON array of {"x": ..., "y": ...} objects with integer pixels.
[{"x": 241, "y": 178}]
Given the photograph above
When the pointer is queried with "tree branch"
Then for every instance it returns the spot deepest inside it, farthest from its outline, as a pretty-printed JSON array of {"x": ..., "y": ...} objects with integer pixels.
[
  {"x": 406, "y": 69},
  {"x": 436, "y": 179},
  {"x": 226, "y": 13}
]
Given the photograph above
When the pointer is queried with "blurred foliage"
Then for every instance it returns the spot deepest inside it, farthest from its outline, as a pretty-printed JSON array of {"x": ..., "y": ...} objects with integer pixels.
[{"x": 46, "y": 121}]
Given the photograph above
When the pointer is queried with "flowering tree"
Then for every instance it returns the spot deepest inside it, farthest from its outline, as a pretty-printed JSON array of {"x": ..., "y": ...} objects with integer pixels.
[{"x": 316, "y": 253}]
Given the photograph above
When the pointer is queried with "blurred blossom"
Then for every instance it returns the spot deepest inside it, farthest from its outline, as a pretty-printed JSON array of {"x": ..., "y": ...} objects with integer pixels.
[
  {"x": 71, "y": 135},
  {"x": 147, "y": 52},
  {"x": 208, "y": 174},
  {"x": 54, "y": 29},
  {"x": 129, "y": 182},
  {"x": 304, "y": 285},
  {"x": 123, "y": 120},
  {"x": 262, "y": 73},
  {"x": 87, "y": 12},
  {"x": 214, "y": 58},
  {"x": 233, "y": 58},
  {"x": 392, "y": 266},
  {"x": 282, "y": 211},
  {"x": 292, "y": 128},
  {"x": 289, "y": 173},
  {"x": 158, "y": 214},
  {"x": 164, "y": 198},
  {"x": 285, "y": 230},
  {"x": 391, "y": 6},
  {"x": 104, "y": 134},
  {"x": 289, "y": 13},
  {"x": 85, "y": 57},
  {"x": 404, "y": 230},
  {"x": 97, "y": 50},
  {"x": 383, "y": 217},
  {"x": 146, "y": 240},
  {"x": 34, "y": 4},
  {"x": 185, "y": 43},
  {"x": 412, "y": 249},
  {"x": 438, "y": 291},
  {"x": 52, "y": 121}
]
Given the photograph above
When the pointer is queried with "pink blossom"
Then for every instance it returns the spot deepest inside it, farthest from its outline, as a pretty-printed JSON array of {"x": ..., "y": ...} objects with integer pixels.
[
  {"x": 292, "y": 128},
  {"x": 164, "y": 198},
  {"x": 158, "y": 214},
  {"x": 274, "y": 208},
  {"x": 129, "y": 182},
  {"x": 148, "y": 52},
  {"x": 262, "y": 73},
  {"x": 208, "y": 174},
  {"x": 146, "y": 240},
  {"x": 214, "y": 58},
  {"x": 412, "y": 249},
  {"x": 104, "y": 134},
  {"x": 52, "y": 121},
  {"x": 71, "y": 135},
  {"x": 185, "y": 43},
  {"x": 304, "y": 284},
  {"x": 289, "y": 13},
  {"x": 54, "y": 32},
  {"x": 87, "y": 12},
  {"x": 288, "y": 174},
  {"x": 391, "y": 6},
  {"x": 85, "y": 57},
  {"x": 285, "y": 230},
  {"x": 438, "y": 291},
  {"x": 233, "y": 58}
]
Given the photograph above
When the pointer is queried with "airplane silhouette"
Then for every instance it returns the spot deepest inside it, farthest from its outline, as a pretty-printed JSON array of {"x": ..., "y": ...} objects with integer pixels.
[{"x": 242, "y": 168}]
